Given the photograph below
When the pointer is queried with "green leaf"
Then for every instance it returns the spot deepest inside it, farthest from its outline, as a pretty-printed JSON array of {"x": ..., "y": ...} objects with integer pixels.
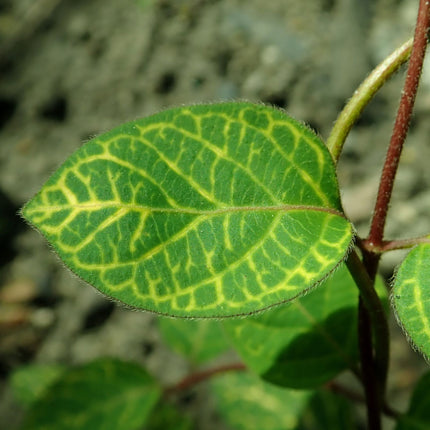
[
  {"x": 307, "y": 342},
  {"x": 166, "y": 417},
  {"x": 418, "y": 415},
  {"x": 204, "y": 211},
  {"x": 411, "y": 297},
  {"x": 28, "y": 383},
  {"x": 248, "y": 403},
  {"x": 326, "y": 410},
  {"x": 106, "y": 394},
  {"x": 199, "y": 341}
]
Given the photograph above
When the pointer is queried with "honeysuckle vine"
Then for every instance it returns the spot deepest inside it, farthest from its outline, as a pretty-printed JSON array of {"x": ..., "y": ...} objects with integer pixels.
[
  {"x": 375, "y": 366},
  {"x": 214, "y": 211}
]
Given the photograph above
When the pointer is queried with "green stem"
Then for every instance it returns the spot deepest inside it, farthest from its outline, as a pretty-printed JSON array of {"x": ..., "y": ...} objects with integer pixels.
[{"x": 362, "y": 97}]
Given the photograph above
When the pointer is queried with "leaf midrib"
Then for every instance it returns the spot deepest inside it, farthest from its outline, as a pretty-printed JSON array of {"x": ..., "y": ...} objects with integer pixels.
[{"x": 190, "y": 211}]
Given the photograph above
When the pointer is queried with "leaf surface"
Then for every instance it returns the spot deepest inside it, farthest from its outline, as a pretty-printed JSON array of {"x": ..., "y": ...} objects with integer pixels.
[
  {"x": 106, "y": 394},
  {"x": 411, "y": 297},
  {"x": 248, "y": 403},
  {"x": 305, "y": 343},
  {"x": 30, "y": 382},
  {"x": 167, "y": 417},
  {"x": 204, "y": 211},
  {"x": 326, "y": 410},
  {"x": 198, "y": 340}
]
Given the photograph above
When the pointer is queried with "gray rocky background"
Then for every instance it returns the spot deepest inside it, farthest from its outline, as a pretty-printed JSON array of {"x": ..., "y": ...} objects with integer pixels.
[{"x": 71, "y": 69}]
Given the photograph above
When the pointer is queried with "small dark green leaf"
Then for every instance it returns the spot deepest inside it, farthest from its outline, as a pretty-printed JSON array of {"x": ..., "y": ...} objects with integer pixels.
[
  {"x": 103, "y": 395},
  {"x": 248, "y": 403},
  {"x": 418, "y": 416},
  {"x": 30, "y": 382},
  {"x": 411, "y": 297},
  {"x": 326, "y": 410},
  {"x": 315, "y": 357},
  {"x": 203, "y": 211},
  {"x": 199, "y": 341},
  {"x": 167, "y": 417},
  {"x": 305, "y": 343}
]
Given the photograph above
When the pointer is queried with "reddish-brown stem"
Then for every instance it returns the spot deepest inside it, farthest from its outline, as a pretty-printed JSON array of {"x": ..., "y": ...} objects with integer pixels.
[
  {"x": 374, "y": 350},
  {"x": 393, "y": 245},
  {"x": 401, "y": 124},
  {"x": 376, "y": 363},
  {"x": 197, "y": 377},
  {"x": 368, "y": 371},
  {"x": 372, "y": 362}
]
